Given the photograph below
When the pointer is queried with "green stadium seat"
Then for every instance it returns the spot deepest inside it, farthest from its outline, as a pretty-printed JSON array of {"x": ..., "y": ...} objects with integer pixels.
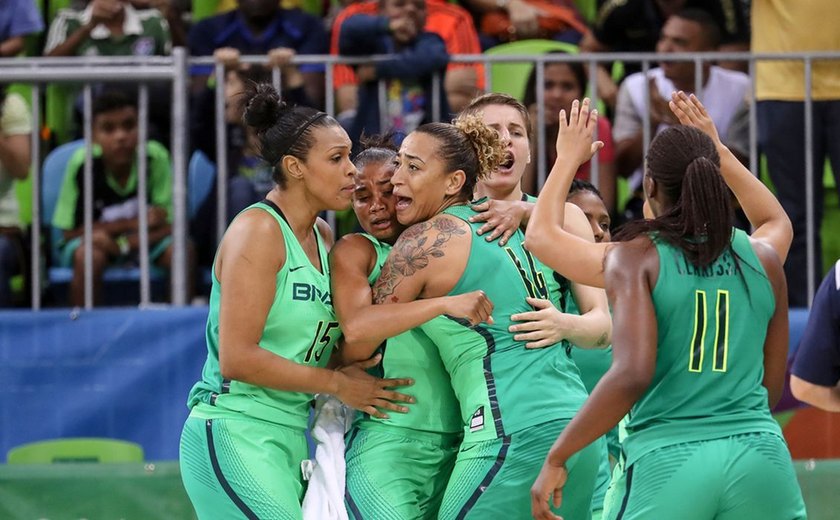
[
  {"x": 511, "y": 78},
  {"x": 86, "y": 449}
]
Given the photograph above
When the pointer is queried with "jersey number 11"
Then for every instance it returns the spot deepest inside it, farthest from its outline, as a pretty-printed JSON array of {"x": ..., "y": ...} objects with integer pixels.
[{"x": 698, "y": 339}]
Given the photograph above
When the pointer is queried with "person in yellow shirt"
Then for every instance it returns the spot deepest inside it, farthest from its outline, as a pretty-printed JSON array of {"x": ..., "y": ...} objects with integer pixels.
[{"x": 778, "y": 26}]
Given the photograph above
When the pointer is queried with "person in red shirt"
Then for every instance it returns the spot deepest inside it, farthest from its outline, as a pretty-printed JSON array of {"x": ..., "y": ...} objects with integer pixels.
[
  {"x": 452, "y": 23},
  {"x": 564, "y": 83}
]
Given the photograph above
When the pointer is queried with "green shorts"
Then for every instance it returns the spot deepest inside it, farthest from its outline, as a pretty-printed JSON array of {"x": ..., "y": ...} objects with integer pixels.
[
  {"x": 242, "y": 468},
  {"x": 741, "y": 477},
  {"x": 396, "y": 473},
  {"x": 493, "y": 479},
  {"x": 602, "y": 480}
]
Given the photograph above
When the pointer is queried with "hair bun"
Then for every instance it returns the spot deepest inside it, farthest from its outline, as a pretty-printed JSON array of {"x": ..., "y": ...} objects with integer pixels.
[
  {"x": 264, "y": 107},
  {"x": 485, "y": 141}
]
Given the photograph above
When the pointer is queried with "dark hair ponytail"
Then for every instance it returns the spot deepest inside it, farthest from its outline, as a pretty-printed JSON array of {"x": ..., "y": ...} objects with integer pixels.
[
  {"x": 282, "y": 129},
  {"x": 686, "y": 166}
]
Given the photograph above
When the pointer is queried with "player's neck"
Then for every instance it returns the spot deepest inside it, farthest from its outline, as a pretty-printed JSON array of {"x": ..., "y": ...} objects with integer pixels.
[
  {"x": 508, "y": 194},
  {"x": 299, "y": 213}
]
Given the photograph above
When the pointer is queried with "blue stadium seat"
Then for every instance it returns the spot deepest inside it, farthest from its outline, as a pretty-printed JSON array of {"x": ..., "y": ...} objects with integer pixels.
[{"x": 201, "y": 176}]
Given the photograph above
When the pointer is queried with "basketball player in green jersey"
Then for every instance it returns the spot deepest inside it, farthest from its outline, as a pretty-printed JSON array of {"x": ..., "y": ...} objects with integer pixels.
[
  {"x": 512, "y": 399},
  {"x": 700, "y": 348},
  {"x": 397, "y": 467},
  {"x": 271, "y": 330},
  {"x": 557, "y": 318}
]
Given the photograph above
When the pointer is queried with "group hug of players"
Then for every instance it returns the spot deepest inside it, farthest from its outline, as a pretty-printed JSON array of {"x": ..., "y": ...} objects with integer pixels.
[{"x": 475, "y": 330}]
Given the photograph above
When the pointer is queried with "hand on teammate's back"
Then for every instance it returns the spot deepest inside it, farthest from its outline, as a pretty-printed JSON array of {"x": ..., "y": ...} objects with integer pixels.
[
  {"x": 542, "y": 327},
  {"x": 574, "y": 138},
  {"x": 362, "y": 391},
  {"x": 474, "y": 307}
]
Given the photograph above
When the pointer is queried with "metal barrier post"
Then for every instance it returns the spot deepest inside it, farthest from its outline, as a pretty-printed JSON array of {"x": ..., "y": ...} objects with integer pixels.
[
  {"x": 143, "y": 193},
  {"x": 180, "y": 128},
  {"x": 87, "y": 194},
  {"x": 35, "y": 265}
]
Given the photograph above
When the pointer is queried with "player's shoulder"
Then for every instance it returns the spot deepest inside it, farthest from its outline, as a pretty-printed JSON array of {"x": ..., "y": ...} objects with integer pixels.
[
  {"x": 351, "y": 243},
  {"x": 440, "y": 223},
  {"x": 631, "y": 259}
]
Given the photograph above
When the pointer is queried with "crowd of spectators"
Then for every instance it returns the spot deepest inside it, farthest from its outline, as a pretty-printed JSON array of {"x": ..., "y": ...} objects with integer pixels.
[{"x": 421, "y": 36}]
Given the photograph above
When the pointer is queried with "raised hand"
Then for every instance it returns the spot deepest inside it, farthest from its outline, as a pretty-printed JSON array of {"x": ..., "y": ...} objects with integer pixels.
[
  {"x": 691, "y": 112},
  {"x": 574, "y": 139}
]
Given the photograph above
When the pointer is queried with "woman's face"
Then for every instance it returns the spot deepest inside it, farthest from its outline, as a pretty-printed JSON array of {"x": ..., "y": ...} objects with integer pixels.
[
  {"x": 512, "y": 128},
  {"x": 328, "y": 171},
  {"x": 596, "y": 212},
  {"x": 561, "y": 88},
  {"x": 373, "y": 201},
  {"x": 421, "y": 181}
]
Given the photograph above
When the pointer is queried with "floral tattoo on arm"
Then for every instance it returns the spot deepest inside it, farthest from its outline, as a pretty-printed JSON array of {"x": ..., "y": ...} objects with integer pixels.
[{"x": 412, "y": 253}]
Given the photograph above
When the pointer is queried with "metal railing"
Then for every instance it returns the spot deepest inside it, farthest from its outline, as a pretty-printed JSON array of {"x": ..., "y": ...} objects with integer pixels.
[{"x": 174, "y": 69}]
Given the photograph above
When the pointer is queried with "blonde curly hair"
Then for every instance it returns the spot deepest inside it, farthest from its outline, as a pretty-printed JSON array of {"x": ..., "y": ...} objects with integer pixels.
[
  {"x": 467, "y": 144},
  {"x": 485, "y": 141}
]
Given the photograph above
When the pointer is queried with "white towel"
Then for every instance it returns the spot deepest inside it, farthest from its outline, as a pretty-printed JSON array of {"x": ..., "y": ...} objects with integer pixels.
[{"x": 324, "y": 499}]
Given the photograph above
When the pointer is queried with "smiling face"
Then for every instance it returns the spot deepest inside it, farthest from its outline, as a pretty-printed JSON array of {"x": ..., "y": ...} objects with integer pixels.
[
  {"x": 327, "y": 171},
  {"x": 373, "y": 201},
  {"x": 422, "y": 184},
  {"x": 512, "y": 128},
  {"x": 596, "y": 213}
]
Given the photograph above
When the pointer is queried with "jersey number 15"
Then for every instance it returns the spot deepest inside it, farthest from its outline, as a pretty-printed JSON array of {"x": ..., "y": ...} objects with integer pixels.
[{"x": 322, "y": 339}]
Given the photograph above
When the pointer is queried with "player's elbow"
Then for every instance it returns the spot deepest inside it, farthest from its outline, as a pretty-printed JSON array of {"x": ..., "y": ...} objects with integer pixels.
[
  {"x": 635, "y": 380},
  {"x": 804, "y": 391},
  {"x": 785, "y": 236},
  {"x": 534, "y": 239},
  {"x": 232, "y": 366},
  {"x": 352, "y": 336}
]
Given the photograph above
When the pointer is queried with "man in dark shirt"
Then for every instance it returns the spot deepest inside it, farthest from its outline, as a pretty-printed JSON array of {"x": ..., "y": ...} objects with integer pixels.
[
  {"x": 815, "y": 376},
  {"x": 398, "y": 29},
  {"x": 261, "y": 27}
]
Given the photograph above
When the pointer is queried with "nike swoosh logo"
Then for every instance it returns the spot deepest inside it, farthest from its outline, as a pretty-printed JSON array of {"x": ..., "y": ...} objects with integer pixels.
[{"x": 293, "y": 269}]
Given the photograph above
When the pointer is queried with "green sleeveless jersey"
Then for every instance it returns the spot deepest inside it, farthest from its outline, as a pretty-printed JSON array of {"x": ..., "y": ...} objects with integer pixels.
[
  {"x": 300, "y": 326},
  {"x": 559, "y": 287},
  {"x": 711, "y": 323},
  {"x": 413, "y": 354},
  {"x": 503, "y": 387},
  {"x": 592, "y": 363}
]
